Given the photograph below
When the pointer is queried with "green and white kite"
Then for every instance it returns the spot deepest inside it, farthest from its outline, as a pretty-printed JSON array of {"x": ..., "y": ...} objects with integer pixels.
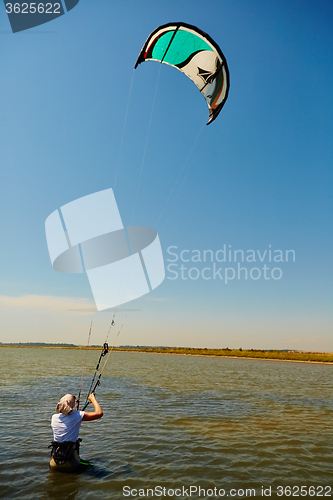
[{"x": 195, "y": 54}]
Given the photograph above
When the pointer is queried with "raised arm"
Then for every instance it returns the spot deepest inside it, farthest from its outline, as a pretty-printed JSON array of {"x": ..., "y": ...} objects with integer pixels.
[{"x": 93, "y": 415}]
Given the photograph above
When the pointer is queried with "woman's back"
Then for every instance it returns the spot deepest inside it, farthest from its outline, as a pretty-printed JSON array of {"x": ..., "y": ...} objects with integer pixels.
[{"x": 66, "y": 427}]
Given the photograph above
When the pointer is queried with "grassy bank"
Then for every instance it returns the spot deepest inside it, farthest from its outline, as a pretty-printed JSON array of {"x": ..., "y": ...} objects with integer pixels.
[
  {"x": 241, "y": 353},
  {"x": 319, "y": 357}
]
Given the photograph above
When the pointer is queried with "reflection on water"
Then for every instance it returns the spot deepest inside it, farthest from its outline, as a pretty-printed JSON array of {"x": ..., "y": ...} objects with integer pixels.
[{"x": 168, "y": 421}]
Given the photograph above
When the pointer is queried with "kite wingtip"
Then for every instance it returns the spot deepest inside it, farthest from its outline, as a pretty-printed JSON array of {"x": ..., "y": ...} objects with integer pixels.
[
  {"x": 212, "y": 116},
  {"x": 214, "y": 113}
]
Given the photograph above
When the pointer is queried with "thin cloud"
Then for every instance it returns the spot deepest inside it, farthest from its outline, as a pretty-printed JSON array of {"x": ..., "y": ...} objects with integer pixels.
[
  {"x": 157, "y": 299},
  {"x": 305, "y": 340},
  {"x": 92, "y": 310},
  {"x": 46, "y": 303}
]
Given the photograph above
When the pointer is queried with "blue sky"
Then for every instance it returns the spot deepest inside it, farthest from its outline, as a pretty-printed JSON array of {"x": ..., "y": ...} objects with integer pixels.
[{"x": 260, "y": 175}]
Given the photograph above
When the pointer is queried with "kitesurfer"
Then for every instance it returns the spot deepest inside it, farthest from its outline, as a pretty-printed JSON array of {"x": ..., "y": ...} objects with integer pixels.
[{"x": 66, "y": 427}]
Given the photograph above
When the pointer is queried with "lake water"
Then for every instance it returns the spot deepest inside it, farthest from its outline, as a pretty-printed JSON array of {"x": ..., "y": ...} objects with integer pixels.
[{"x": 169, "y": 422}]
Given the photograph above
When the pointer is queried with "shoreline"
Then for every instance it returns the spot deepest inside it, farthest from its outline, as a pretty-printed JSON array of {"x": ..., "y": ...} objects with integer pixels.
[
  {"x": 231, "y": 357},
  {"x": 262, "y": 355}
]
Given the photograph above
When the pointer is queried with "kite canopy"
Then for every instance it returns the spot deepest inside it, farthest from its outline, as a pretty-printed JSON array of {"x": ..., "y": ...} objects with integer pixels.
[{"x": 195, "y": 54}]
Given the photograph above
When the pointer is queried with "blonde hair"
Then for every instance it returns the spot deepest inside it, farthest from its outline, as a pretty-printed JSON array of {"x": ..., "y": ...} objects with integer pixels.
[{"x": 66, "y": 404}]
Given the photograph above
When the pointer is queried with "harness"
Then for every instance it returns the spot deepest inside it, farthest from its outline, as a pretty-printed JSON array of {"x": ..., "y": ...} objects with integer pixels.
[{"x": 64, "y": 453}]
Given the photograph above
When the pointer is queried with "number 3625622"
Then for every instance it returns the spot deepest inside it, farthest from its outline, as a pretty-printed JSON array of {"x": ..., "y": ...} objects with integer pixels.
[{"x": 33, "y": 8}]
